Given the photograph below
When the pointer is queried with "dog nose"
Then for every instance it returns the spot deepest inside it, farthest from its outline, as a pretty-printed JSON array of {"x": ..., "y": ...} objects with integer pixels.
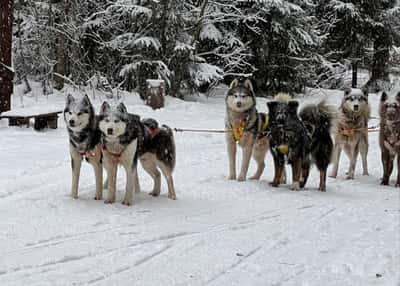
[
  {"x": 72, "y": 123},
  {"x": 356, "y": 107},
  {"x": 239, "y": 104},
  {"x": 109, "y": 131}
]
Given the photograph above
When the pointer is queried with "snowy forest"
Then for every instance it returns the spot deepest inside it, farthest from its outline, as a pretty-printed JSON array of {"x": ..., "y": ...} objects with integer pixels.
[{"x": 195, "y": 45}]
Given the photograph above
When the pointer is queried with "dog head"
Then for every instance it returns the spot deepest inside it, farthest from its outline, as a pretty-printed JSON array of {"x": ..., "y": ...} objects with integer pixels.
[
  {"x": 113, "y": 121},
  {"x": 78, "y": 113},
  {"x": 355, "y": 101},
  {"x": 390, "y": 107},
  {"x": 281, "y": 112},
  {"x": 240, "y": 96}
]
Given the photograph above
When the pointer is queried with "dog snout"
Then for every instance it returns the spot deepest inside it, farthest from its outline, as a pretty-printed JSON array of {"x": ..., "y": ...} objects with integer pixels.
[
  {"x": 356, "y": 107},
  {"x": 72, "y": 123},
  {"x": 239, "y": 104},
  {"x": 280, "y": 119},
  {"x": 109, "y": 131}
]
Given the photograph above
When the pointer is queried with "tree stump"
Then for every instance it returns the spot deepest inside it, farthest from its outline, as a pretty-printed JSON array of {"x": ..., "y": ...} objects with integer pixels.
[{"x": 155, "y": 93}]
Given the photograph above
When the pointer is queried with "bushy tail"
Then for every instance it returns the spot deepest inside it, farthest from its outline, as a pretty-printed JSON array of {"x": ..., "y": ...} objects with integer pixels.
[
  {"x": 283, "y": 97},
  {"x": 328, "y": 113},
  {"x": 168, "y": 129}
]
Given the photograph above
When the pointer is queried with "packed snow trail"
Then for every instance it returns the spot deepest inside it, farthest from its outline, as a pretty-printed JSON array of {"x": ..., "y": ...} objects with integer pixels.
[{"x": 218, "y": 232}]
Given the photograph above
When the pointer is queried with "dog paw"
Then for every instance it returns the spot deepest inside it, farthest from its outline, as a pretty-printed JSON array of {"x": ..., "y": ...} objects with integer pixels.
[
  {"x": 333, "y": 176},
  {"x": 241, "y": 178},
  {"x": 109, "y": 201},
  {"x": 322, "y": 189},
  {"x": 127, "y": 202},
  {"x": 172, "y": 196},
  {"x": 154, "y": 194},
  {"x": 384, "y": 182},
  {"x": 295, "y": 186},
  {"x": 274, "y": 184},
  {"x": 75, "y": 196},
  {"x": 397, "y": 185},
  {"x": 254, "y": 178},
  {"x": 231, "y": 177},
  {"x": 350, "y": 177},
  {"x": 98, "y": 198},
  {"x": 365, "y": 174}
]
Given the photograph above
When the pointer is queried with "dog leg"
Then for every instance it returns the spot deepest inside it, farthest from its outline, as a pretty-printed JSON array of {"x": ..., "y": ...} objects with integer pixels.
[
  {"x": 130, "y": 170},
  {"x": 398, "y": 171},
  {"x": 353, "y": 154},
  {"x": 322, "y": 180},
  {"x": 149, "y": 165},
  {"x": 364, "y": 154},
  {"x": 112, "y": 168},
  {"x": 98, "y": 173},
  {"x": 245, "y": 162},
  {"x": 76, "y": 162},
  {"x": 336, "y": 158},
  {"x": 136, "y": 181},
  {"x": 304, "y": 175},
  {"x": 259, "y": 151},
  {"x": 279, "y": 170},
  {"x": 167, "y": 172},
  {"x": 231, "y": 147},
  {"x": 296, "y": 173},
  {"x": 387, "y": 167}
]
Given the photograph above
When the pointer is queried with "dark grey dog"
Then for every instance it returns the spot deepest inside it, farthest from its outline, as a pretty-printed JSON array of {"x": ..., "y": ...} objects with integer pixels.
[
  {"x": 84, "y": 141},
  {"x": 389, "y": 135},
  {"x": 318, "y": 120},
  {"x": 289, "y": 141}
]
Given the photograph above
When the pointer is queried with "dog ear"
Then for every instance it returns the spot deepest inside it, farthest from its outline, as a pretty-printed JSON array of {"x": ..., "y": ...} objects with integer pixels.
[
  {"x": 234, "y": 83},
  {"x": 384, "y": 96},
  {"x": 70, "y": 99},
  {"x": 249, "y": 85},
  {"x": 122, "y": 108},
  {"x": 86, "y": 100},
  {"x": 398, "y": 96},
  {"x": 105, "y": 108},
  {"x": 293, "y": 106},
  {"x": 365, "y": 91},
  {"x": 271, "y": 106},
  {"x": 347, "y": 91}
]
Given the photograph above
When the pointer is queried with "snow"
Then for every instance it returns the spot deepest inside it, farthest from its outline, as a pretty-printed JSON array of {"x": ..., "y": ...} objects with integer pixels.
[{"x": 217, "y": 232}]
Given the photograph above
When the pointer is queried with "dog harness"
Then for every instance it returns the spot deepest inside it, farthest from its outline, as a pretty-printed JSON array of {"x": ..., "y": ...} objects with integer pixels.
[{"x": 238, "y": 131}]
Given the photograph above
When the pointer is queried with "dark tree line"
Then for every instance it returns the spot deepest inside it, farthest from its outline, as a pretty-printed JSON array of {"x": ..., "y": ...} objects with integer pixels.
[{"x": 192, "y": 45}]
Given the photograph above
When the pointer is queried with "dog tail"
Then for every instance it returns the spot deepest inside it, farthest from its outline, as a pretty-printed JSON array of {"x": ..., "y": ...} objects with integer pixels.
[
  {"x": 168, "y": 130},
  {"x": 283, "y": 97},
  {"x": 328, "y": 112}
]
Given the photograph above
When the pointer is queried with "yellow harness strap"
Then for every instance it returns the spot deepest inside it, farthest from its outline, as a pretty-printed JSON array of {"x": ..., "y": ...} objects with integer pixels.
[
  {"x": 265, "y": 124},
  {"x": 238, "y": 131}
]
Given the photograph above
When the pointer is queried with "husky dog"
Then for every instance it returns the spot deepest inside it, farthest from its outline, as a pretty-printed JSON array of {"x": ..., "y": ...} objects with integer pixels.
[
  {"x": 121, "y": 135},
  {"x": 352, "y": 131},
  {"x": 248, "y": 129},
  {"x": 318, "y": 120},
  {"x": 158, "y": 152},
  {"x": 84, "y": 141},
  {"x": 389, "y": 135},
  {"x": 288, "y": 139}
]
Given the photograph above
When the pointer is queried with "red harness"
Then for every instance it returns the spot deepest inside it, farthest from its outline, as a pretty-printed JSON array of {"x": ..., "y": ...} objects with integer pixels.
[{"x": 152, "y": 132}]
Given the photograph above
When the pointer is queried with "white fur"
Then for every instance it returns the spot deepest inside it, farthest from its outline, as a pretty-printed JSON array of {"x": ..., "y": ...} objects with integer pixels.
[
  {"x": 246, "y": 101},
  {"x": 112, "y": 122}
]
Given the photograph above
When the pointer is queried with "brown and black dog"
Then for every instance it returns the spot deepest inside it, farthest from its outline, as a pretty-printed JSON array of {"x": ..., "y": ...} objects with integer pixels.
[{"x": 389, "y": 135}]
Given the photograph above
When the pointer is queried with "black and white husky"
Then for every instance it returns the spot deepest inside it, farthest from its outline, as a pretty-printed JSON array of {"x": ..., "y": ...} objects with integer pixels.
[
  {"x": 84, "y": 139},
  {"x": 122, "y": 134},
  {"x": 158, "y": 153},
  {"x": 248, "y": 129}
]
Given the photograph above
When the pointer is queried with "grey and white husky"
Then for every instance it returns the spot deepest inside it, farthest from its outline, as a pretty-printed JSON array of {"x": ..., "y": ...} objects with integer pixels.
[
  {"x": 248, "y": 129},
  {"x": 84, "y": 139},
  {"x": 122, "y": 135},
  {"x": 352, "y": 131},
  {"x": 158, "y": 153}
]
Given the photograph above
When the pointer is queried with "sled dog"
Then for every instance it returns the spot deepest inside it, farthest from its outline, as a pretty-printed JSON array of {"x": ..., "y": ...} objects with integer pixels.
[
  {"x": 389, "y": 135},
  {"x": 84, "y": 141},
  {"x": 318, "y": 120},
  {"x": 122, "y": 134},
  {"x": 288, "y": 138},
  {"x": 158, "y": 153},
  {"x": 351, "y": 134},
  {"x": 247, "y": 129}
]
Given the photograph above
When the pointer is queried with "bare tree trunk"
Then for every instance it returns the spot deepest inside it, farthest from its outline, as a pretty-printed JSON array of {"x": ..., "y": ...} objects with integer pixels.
[
  {"x": 60, "y": 46},
  {"x": 6, "y": 73},
  {"x": 354, "y": 66}
]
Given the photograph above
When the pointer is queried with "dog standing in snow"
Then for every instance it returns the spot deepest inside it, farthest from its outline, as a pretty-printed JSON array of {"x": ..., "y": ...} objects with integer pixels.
[
  {"x": 84, "y": 141},
  {"x": 121, "y": 135},
  {"x": 247, "y": 128},
  {"x": 352, "y": 131},
  {"x": 389, "y": 135}
]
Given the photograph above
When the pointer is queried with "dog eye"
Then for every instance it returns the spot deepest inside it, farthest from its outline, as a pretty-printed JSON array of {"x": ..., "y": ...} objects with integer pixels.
[
  {"x": 79, "y": 113},
  {"x": 107, "y": 120},
  {"x": 116, "y": 121},
  {"x": 69, "y": 112}
]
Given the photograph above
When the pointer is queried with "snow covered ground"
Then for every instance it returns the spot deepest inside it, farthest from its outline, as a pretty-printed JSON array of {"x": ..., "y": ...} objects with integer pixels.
[{"x": 218, "y": 232}]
